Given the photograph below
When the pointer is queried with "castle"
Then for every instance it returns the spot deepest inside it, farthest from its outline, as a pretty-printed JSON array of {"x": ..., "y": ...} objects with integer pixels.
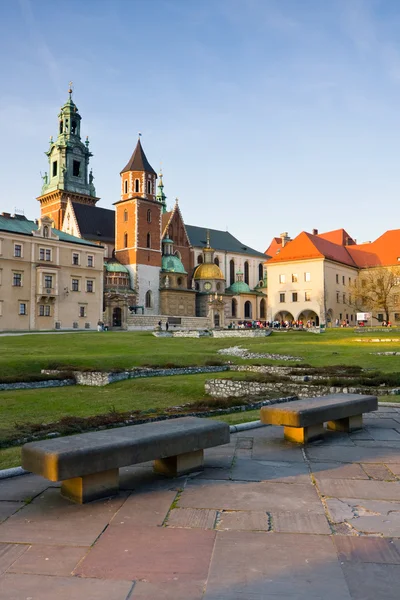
[{"x": 155, "y": 264}]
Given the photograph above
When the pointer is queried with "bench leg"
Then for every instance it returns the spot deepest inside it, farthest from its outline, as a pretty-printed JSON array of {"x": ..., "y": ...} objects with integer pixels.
[
  {"x": 91, "y": 487},
  {"x": 302, "y": 435},
  {"x": 347, "y": 425},
  {"x": 173, "y": 466}
]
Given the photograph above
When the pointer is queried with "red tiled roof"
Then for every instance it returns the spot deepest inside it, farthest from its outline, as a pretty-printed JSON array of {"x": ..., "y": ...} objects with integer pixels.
[
  {"x": 274, "y": 247},
  {"x": 338, "y": 236},
  {"x": 384, "y": 251},
  {"x": 307, "y": 246}
]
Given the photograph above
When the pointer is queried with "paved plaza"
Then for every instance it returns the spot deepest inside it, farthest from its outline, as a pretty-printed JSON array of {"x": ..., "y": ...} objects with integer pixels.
[{"x": 265, "y": 519}]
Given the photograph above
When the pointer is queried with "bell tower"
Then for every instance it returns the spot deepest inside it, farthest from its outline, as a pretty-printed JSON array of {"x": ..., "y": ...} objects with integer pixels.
[
  {"x": 68, "y": 175},
  {"x": 138, "y": 229}
]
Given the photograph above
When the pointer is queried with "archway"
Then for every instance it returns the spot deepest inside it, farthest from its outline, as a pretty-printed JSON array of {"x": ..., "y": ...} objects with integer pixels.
[
  {"x": 309, "y": 317},
  {"x": 248, "y": 310},
  {"x": 284, "y": 316},
  {"x": 262, "y": 308},
  {"x": 117, "y": 317}
]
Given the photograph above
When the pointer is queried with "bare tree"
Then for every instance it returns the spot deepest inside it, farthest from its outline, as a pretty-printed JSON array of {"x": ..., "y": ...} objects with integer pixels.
[{"x": 376, "y": 289}]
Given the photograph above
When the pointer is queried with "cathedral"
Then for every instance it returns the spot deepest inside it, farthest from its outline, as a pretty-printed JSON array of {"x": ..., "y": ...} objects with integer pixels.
[{"x": 155, "y": 265}]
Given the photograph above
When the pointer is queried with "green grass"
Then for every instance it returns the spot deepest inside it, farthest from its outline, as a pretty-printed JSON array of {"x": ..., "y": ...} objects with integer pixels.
[{"x": 115, "y": 350}]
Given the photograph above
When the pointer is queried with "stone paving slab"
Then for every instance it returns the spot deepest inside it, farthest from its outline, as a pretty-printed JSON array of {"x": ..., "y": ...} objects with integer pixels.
[
  {"x": 262, "y": 470},
  {"x": 274, "y": 565},
  {"x": 192, "y": 518},
  {"x": 244, "y": 521},
  {"x": 371, "y": 581},
  {"x": 377, "y": 517},
  {"x": 291, "y": 522},
  {"x": 19, "y": 586},
  {"x": 332, "y": 470},
  {"x": 49, "y": 560},
  {"x": 252, "y": 496},
  {"x": 368, "y": 550},
  {"x": 153, "y": 554},
  {"x": 359, "y": 454},
  {"x": 9, "y": 553},
  {"x": 22, "y": 488},
  {"x": 168, "y": 591},
  {"x": 9, "y": 508},
  {"x": 50, "y": 519},
  {"x": 379, "y": 472},
  {"x": 352, "y": 488},
  {"x": 150, "y": 507}
]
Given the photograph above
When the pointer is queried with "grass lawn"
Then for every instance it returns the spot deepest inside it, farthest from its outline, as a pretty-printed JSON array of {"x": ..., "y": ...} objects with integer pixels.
[{"x": 26, "y": 355}]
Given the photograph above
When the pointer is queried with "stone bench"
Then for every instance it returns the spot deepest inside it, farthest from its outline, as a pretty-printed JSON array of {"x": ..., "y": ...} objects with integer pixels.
[
  {"x": 303, "y": 420},
  {"x": 88, "y": 464}
]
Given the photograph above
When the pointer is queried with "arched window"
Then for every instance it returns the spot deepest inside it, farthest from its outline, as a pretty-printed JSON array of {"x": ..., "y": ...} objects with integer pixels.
[
  {"x": 262, "y": 309},
  {"x": 247, "y": 310},
  {"x": 149, "y": 187},
  {"x": 234, "y": 307},
  {"x": 125, "y": 214},
  {"x": 216, "y": 261},
  {"x": 125, "y": 186},
  {"x": 218, "y": 286},
  {"x": 260, "y": 271},
  {"x": 148, "y": 241},
  {"x": 231, "y": 272},
  {"x": 179, "y": 281},
  {"x": 246, "y": 272},
  {"x": 199, "y": 259},
  {"x": 125, "y": 240},
  {"x": 149, "y": 216},
  {"x": 149, "y": 299},
  {"x": 73, "y": 127},
  {"x": 137, "y": 185},
  {"x": 178, "y": 254},
  {"x": 61, "y": 126}
]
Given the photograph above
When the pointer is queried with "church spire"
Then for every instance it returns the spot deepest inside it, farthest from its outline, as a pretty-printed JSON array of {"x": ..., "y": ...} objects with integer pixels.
[
  {"x": 68, "y": 156},
  {"x": 161, "y": 197}
]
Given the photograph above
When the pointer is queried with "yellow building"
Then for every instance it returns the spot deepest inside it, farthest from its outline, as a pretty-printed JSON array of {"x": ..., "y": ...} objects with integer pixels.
[{"x": 48, "y": 279}]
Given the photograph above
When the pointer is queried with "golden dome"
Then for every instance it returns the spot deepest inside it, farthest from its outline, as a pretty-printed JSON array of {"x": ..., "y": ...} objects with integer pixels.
[{"x": 208, "y": 271}]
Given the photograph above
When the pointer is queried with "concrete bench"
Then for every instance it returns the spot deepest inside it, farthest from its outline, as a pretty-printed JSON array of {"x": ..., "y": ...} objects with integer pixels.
[
  {"x": 88, "y": 464},
  {"x": 303, "y": 420}
]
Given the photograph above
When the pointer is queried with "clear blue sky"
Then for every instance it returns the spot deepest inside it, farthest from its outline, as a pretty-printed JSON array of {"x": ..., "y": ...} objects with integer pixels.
[{"x": 267, "y": 115}]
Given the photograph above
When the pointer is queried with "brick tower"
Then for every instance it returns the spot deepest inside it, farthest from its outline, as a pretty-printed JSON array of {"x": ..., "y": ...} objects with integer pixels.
[
  {"x": 68, "y": 174},
  {"x": 138, "y": 229}
]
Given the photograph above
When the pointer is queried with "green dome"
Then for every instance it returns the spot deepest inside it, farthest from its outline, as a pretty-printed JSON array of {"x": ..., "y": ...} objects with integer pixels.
[
  {"x": 172, "y": 264},
  {"x": 115, "y": 267},
  {"x": 239, "y": 287}
]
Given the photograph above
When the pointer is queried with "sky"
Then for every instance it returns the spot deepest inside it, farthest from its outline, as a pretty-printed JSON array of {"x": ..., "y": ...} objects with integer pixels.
[{"x": 265, "y": 115}]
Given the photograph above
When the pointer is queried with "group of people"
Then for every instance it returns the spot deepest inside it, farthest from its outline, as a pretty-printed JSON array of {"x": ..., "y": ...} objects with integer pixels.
[{"x": 166, "y": 325}]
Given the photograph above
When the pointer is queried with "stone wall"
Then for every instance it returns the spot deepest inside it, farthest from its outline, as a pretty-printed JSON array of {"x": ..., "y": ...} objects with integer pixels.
[
  {"x": 240, "y": 333},
  {"x": 226, "y": 388},
  {"x": 150, "y": 322}
]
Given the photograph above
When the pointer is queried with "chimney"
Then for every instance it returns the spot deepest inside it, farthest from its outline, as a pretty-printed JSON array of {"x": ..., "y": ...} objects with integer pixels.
[
  {"x": 285, "y": 238},
  {"x": 315, "y": 231}
]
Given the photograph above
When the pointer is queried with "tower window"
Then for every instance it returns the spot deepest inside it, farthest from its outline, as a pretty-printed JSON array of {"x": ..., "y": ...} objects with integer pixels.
[
  {"x": 149, "y": 216},
  {"x": 149, "y": 299},
  {"x": 137, "y": 185},
  {"x": 76, "y": 168},
  {"x": 199, "y": 259},
  {"x": 125, "y": 186},
  {"x": 54, "y": 168},
  {"x": 148, "y": 241},
  {"x": 73, "y": 127},
  {"x": 149, "y": 187},
  {"x": 260, "y": 272},
  {"x": 125, "y": 213},
  {"x": 231, "y": 272},
  {"x": 125, "y": 240},
  {"x": 216, "y": 261}
]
